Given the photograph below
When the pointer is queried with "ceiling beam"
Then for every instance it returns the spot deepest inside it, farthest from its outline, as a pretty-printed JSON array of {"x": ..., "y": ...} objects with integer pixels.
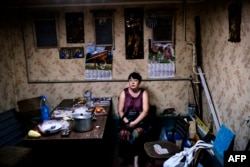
[{"x": 65, "y": 3}]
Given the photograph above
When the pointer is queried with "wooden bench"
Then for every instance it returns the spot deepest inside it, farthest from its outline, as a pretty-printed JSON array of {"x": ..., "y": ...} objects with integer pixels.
[{"x": 12, "y": 153}]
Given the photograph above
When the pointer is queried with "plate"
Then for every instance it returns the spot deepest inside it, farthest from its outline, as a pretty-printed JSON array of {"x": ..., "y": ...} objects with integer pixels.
[
  {"x": 100, "y": 111},
  {"x": 62, "y": 112},
  {"x": 50, "y": 126}
]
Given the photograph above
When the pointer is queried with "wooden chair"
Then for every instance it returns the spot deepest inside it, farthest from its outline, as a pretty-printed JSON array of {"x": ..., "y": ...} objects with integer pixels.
[
  {"x": 181, "y": 127},
  {"x": 29, "y": 111}
]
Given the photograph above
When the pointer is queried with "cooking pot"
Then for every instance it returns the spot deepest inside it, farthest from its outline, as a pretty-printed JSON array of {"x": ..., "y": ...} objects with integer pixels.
[{"x": 82, "y": 122}]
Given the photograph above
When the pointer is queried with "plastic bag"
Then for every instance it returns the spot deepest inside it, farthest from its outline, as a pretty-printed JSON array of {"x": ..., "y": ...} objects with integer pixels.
[{"x": 177, "y": 160}]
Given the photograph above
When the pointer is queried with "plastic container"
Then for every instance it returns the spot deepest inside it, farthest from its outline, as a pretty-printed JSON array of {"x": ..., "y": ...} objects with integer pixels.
[
  {"x": 88, "y": 95},
  {"x": 44, "y": 107}
]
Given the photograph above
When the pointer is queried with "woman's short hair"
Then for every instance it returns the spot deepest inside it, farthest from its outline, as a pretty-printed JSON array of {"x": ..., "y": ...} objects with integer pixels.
[{"x": 135, "y": 75}]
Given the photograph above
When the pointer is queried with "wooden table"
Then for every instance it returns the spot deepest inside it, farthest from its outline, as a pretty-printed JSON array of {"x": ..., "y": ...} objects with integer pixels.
[
  {"x": 79, "y": 147},
  {"x": 96, "y": 133}
]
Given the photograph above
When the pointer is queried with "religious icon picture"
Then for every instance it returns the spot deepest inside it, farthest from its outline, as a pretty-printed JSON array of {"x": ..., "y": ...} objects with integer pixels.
[
  {"x": 134, "y": 33},
  {"x": 71, "y": 52}
]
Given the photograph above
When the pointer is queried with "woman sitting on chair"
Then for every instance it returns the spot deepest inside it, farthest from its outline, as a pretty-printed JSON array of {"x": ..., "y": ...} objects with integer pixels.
[{"x": 133, "y": 107}]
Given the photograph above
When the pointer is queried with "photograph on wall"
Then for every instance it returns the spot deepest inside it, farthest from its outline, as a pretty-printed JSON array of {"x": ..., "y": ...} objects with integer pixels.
[
  {"x": 234, "y": 17},
  {"x": 71, "y": 52},
  {"x": 104, "y": 31},
  {"x": 74, "y": 27},
  {"x": 164, "y": 29},
  {"x": 45, "y": 30},
  {"x": 134, "y": 33},
  {"x": 98, "y": 62},
  {"x": 161, "y": 60}
]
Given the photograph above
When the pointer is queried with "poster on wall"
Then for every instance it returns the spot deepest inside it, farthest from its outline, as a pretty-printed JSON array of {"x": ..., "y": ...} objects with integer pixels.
[
  {"x": 161, "y": 60},
  {"x": 45, "y": 30},
  {"x": 74, "y": 27},
  {"x": 71, "y": 52},
  {"x": 98, "y": 62},
  {"x": 134, "y": 33},
  {"x": 103, "y": 31}
]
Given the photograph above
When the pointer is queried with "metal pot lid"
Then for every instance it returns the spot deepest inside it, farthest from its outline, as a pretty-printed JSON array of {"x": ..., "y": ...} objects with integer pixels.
[{"x": 81, "y": 116}]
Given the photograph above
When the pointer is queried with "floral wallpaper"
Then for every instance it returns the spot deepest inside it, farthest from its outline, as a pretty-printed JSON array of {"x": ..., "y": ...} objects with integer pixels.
[
  {"x": 225, "y": 64},
  {"x": 41, "y": 66},
  {"x": 227, "y": 70}
]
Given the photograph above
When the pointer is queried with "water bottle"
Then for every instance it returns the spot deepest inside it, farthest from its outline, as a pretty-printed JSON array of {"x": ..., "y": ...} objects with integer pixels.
[{"x": 45, "y": 110}]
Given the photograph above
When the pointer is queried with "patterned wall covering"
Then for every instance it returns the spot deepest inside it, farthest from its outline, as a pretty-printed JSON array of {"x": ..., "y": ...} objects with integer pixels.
[
  {"x": 39, "y": 61},
  {"x": 227, "y": 68},
  {"x": 7, "y": 63},
  {"x": 45, "y": 61},
  {"x": 226, "y": 64}
]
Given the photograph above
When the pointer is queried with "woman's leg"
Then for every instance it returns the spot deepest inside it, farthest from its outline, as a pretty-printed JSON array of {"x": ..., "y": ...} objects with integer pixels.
[
  {"x": 125, "y": 153},
  {"x": 138, "y": 151}
]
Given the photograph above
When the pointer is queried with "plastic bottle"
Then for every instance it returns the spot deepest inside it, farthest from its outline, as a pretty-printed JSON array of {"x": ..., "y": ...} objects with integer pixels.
[
  {"x": 88, "y": 96},
  {"x": 45, "y": 110}
]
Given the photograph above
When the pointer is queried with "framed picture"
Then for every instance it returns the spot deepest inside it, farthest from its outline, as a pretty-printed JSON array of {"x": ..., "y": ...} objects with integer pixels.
[
  {"x": 45, "y": 30},
  {"x": 104, "y": 31},
  {"x": 234, "y": 18},
  {"x": 164, "y": 29},
  {"x": 74, "y": 27},
  {"x": 71, "y": 52},
  {"x": 134, "y": 33}
]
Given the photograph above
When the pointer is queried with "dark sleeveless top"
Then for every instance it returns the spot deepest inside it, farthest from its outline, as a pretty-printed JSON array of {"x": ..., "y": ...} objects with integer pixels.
[{"x": 131, "y": 103}]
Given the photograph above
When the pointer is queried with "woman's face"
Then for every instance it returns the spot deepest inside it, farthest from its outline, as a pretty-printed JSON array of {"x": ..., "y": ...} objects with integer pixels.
[{"x": 133, "y": 83}]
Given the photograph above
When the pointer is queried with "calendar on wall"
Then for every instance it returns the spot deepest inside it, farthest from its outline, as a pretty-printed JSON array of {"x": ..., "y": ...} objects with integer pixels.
[
  {"x": 161, "y": 48},
  {"x": 161, "y": 60},
  {"x": 98, "y": 62}
]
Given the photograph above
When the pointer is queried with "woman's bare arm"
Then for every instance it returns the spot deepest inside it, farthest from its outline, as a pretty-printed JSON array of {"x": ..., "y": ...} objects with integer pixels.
[{"x": 121, "y": 106}]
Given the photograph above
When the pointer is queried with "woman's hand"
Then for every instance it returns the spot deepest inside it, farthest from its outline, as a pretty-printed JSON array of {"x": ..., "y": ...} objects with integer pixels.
[
  {"x": 125, "y": 120},
  {"x": 132, "y": 124}
]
